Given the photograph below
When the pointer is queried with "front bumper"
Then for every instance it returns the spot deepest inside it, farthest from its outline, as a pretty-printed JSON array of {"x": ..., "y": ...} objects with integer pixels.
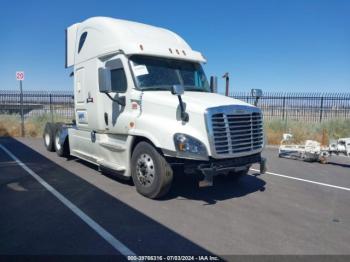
[
  {"x": 214, "y": 167},
  {"x": 231, "y": 163}
]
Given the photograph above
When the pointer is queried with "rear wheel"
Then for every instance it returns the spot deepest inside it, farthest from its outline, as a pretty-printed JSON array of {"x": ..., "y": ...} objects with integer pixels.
[
  {"x": 49, "y": 133},
  {"x": 61, "y": 148},
  {"x": 151, "y": 173}
]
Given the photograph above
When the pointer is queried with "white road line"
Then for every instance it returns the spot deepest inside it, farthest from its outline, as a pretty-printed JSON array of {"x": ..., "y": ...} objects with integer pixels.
[
  {"x": 119, "y": 246},
  {"x": 304, "y": 180},
  {"x": 343, "y": 156}
]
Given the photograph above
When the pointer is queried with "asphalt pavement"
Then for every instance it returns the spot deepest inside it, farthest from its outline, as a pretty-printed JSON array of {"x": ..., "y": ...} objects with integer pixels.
[{"x": 296, "y": 208}]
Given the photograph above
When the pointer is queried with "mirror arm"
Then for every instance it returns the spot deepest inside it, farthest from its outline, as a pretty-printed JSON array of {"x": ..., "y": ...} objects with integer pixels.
[
  {"x": 179, "y": 90},
  {"x": 184, "y": 115},
  {"x": 120, "y": 101},
  {"x": 257, "y": 94},
  {"x": 213, "y": 84},
  {"x": 256, "y": 101}
]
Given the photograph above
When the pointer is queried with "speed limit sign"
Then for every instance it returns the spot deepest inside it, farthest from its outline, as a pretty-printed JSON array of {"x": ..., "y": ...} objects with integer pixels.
[{"x": 20, "y": 75}]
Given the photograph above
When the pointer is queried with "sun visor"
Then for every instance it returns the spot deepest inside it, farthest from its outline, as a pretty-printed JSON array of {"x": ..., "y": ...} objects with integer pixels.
[{"x": 158, "y": 50}]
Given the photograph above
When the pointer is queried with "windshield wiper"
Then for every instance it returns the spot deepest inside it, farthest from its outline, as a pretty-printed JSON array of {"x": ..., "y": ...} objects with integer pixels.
[
  {"x": 167, "y": 88},
  {"x": 155, "y": 89}
]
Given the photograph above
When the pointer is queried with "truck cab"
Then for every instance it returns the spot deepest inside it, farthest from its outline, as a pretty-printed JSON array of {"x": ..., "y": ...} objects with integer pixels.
[{"x": 143, "y": 107}]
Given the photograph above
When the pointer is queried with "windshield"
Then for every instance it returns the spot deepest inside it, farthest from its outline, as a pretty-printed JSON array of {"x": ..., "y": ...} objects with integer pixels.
[{"x": 161, "y": 74}]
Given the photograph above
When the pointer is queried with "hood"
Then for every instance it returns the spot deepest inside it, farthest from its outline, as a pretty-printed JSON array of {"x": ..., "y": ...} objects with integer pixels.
[{"x": 194, "y": 101}]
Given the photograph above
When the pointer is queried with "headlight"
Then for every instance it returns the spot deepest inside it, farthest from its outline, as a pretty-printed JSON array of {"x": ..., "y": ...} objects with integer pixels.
[{"x": 190, "y": 147}]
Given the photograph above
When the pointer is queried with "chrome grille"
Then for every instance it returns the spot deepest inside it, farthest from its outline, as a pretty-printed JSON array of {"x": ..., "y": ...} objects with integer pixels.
[{"x": 236, "y": 133}]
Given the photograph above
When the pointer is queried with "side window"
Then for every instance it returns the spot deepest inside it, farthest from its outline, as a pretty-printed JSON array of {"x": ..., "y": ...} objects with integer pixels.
[
  {"x": 82, "y": 41},
  {"x": 118, "y": 80}
]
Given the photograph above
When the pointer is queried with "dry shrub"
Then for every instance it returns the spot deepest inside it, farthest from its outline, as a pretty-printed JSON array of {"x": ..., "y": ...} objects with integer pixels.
[
  {"x": 31, "y": 129},
  {"x": 10, "y": 125},
  {"x": 273, "y": 137},
  {"x": 301, "y": 132},
  {"x": 321, "y": 132}
]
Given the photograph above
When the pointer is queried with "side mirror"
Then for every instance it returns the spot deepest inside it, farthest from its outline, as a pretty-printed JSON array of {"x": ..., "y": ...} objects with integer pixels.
[
  {"x": 257, "y": 93},
  {"x": 177, "y": 90},
  {"x": 104, "y": 80},
  {"x": 214, "y": 84}
]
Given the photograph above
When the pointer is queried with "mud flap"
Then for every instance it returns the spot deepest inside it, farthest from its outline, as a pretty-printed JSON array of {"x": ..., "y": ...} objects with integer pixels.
[
  {"x": 208, "y": 178},
  {"x": 263, "y": 168}
]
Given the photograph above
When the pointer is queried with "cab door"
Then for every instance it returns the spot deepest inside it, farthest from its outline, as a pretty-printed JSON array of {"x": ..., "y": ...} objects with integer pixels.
[
  {"x": 81, "y": 114},
  {"x": 115, "y": 119}
]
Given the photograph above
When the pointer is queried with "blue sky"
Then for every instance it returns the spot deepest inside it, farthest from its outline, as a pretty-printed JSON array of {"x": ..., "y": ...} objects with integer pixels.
[{"x": 300, "y": 46}]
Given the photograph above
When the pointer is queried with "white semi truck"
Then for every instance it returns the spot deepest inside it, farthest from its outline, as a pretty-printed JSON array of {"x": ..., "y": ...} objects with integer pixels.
[{"x": 143, "y": 107}]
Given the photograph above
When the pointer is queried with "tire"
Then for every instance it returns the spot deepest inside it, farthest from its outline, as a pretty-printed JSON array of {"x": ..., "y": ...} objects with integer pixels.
[
  {"x": 323, "y": 160},
  {"x": 62, "y": 150},
  {"x": 48, "y": 136},
  {"x": 151, "y": 173}
]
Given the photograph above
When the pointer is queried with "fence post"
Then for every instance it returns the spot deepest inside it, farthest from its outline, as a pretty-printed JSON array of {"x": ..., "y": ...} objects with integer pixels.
[
  {"x": 321, "y": 109},
  {"x": 51, "y": 112},
  {"x": 283, "y": 107},
  {"x": 21, "y": 106}
]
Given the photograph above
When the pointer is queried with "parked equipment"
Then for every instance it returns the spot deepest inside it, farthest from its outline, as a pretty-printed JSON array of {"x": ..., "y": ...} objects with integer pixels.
[
  {"x": 341, "y": 146},
  {"x": 143, "y": 106},
  {"x": 312, "y": 150}
]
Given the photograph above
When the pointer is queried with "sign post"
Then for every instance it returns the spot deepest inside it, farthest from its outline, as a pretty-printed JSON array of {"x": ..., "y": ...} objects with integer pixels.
[{"x": 20, "y": 78}]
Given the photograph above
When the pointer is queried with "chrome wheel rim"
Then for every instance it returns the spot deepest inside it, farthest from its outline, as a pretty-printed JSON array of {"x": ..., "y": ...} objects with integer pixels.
[
  {"x": 57, "y": 142},
  {"x": 145, "y": 170},
  {"x": 47, "y": 139}
]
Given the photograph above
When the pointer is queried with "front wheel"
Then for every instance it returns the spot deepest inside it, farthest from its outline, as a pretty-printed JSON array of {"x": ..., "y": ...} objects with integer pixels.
[{"x": 151, "y": 173}]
